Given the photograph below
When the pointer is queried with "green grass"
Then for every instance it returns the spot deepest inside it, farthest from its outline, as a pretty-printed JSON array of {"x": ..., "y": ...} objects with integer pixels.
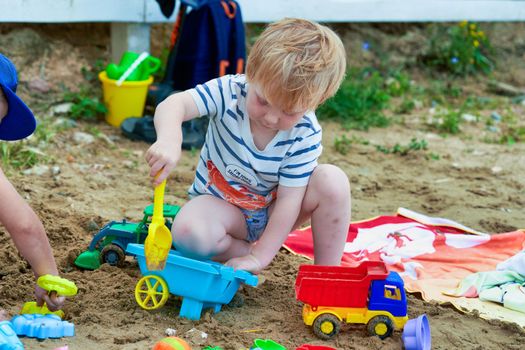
[
  {"x": 360, "y": 101},
  {"x": 18, "y": 155},
  {"x": 414, "y": 145},
  {"x": 29, "y": 152}
]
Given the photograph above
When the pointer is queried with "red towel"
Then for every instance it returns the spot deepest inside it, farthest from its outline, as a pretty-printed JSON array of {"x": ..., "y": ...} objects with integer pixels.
[{"x": 431, "y": 254}]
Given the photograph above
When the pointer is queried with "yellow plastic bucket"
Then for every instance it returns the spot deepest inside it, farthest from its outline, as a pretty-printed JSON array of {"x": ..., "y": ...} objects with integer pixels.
[{"x": 124, "y": 101}]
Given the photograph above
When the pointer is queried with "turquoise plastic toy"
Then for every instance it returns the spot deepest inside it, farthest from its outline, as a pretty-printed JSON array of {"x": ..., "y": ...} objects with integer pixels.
[
  {"x": 201, "y": 283},
  {"x": 145, "y": 66},
  {"x": 8, "y": 338}
]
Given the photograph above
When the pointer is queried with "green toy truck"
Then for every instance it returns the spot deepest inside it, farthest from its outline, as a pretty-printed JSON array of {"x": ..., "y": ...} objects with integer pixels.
[{"x": 110, "y": 243}]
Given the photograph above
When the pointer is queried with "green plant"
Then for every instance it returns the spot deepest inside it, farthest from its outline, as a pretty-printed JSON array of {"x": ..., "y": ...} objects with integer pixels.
[
  {"x": 413, "y": 145},
  {"x": 512, "y": 134},
  {"x": 448, "y": 121},
  {"x": 433, "y": 156},
  {"x": 451, "y": 122},
  {"x": 19, "y": 155},
  {"x": 342, "y": 144},
  {"x": 398, "y": 83},
  {"x": 360, "y": 101},
  {"x": 406, "y": 106},
  {"x": 461, "y": 49},
  {"x": 90, "y": 74},
  {"x": 85, "y": 102},
  {"x": 85, "y": 105}
]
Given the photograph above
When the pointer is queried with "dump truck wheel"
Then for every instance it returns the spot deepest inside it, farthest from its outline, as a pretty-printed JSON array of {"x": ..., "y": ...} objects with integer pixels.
[
  {"x": 326, "y": 326},
  {"x": 382, "y": 326},
  {"x": 151, "y": 292},
  {"x": 113, "y": 255}
]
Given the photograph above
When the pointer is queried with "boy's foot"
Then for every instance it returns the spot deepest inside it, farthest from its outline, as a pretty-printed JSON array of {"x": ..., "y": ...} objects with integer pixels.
[
  {"x": 194, "y": 133},
  {"x": 237, "y": 300},
  {"x": 139, "y": 128},
  {"x": 143, "y": 129}
]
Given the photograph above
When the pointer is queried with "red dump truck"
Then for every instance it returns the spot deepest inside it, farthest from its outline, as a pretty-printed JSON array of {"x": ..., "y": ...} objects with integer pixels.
[{"x": 365, "y": 293}]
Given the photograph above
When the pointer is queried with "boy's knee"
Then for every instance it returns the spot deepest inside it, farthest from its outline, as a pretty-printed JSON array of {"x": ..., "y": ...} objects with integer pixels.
[
  {"x": 197, "y": 238},
  {"x": 332, "y": 182},
  {"x": 189, "y": 235}
]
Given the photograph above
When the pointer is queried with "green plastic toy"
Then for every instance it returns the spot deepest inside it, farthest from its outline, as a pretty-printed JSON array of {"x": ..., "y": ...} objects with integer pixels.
[
  {"x": 137, "y": 67},
  {"x": 110, "y": 243},
  {"x": 266, "y": 344}
]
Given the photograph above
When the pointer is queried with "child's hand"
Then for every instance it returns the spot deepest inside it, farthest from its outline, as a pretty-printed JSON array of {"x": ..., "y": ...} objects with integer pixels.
[
  {"x": 162, "y": 157},
  {"x": 248, "y": 262},
  {"x": 52, "y": 300}
]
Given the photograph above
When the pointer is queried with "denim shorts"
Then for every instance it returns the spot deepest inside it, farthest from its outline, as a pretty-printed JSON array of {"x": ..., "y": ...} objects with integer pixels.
[{"x": 256, "y": 221}]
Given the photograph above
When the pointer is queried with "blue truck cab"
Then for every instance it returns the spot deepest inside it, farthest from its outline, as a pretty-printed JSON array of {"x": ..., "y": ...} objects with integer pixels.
[{"x": 388, "y": 295}]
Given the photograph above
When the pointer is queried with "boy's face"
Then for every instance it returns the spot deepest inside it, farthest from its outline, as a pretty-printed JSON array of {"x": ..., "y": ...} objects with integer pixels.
[
  {"x": 3, "y": 105},
  {"x": 267, "y": 116}
]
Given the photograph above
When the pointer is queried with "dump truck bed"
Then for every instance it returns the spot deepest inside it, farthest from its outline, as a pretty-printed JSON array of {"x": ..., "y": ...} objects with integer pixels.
[{"x": 337, "y": 286}]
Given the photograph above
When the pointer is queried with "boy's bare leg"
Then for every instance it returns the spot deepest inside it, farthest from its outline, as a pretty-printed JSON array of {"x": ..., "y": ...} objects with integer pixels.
[
  {"x": 327, "y": 203},
  {"x": 208, "y": 226}
]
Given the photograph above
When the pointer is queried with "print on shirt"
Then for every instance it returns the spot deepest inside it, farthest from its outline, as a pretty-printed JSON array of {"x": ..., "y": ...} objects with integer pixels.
[
  {"x": 241, "y": 175},
  {"x": 241, "y": 198}
]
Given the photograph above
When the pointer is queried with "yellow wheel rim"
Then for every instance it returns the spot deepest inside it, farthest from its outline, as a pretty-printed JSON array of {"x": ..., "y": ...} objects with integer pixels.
[
  {"x": 151, "y": 292},
  {"x": 327, "y": 327},
  {"x": 380, "y": 329}
]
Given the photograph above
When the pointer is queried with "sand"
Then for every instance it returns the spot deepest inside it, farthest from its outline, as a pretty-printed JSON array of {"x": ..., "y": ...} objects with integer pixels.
[{"x": 476, "y": 183}]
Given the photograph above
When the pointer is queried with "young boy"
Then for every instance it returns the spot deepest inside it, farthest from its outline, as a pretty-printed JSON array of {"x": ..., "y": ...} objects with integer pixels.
[
  {"x": 26, "y": 229},
  {"x": 258, "y": 176}
]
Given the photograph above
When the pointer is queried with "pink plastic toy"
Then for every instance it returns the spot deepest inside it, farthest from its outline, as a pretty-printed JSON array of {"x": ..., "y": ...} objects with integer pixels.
[{"x": 314, "y": 347}]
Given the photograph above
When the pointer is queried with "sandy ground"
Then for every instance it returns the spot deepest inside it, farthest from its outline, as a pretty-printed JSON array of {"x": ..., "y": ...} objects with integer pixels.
[{"x": 476, "y": 183}]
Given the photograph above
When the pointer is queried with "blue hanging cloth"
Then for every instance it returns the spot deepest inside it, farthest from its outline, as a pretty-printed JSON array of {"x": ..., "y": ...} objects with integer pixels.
[{"x": 212, "y": 44}]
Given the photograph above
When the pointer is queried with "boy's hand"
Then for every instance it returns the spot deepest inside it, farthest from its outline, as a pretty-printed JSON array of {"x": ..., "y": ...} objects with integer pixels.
[
  {"x": 248, "y": 262},
  {"x": 52, "y": 300},
  {"x": 162, "y": 157}
]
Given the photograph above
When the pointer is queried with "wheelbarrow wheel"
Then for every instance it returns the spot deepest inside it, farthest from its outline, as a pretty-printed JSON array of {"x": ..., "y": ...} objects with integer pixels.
[
  {"x": 326, "y": 326},
  {"x": 113, "y": 255},
  {"x": 382, "y": 326},
  {"x": 151, "y": 292}
]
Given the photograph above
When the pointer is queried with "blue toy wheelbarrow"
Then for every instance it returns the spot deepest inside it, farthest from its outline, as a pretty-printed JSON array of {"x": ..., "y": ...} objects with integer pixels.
[{"x": 201, "y": 284}]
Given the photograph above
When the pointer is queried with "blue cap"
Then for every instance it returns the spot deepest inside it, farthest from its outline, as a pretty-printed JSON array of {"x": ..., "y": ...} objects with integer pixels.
[{"x": 19, "y": 121}]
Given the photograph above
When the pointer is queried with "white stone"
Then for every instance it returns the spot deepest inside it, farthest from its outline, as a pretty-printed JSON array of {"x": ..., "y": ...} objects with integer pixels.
[
  {"x": 62, "y": 108},
  {"x": 469, "y": 117},
  {"x": 83, "y": 138},
  {"x": 170, "y": 332},
  {"x": 37, "y": 170}
]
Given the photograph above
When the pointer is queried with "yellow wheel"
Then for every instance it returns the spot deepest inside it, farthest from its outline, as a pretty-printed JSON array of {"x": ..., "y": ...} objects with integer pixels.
[
  {"x": 382, "y": 326},
  {"x": 326, "y": 326},
  {"x": 151, "y": 292},
  {"x": 380, "y": 329}
]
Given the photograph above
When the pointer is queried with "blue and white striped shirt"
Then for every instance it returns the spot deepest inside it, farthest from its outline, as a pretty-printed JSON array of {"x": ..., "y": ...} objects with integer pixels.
[{"x": 289, "y": 158}]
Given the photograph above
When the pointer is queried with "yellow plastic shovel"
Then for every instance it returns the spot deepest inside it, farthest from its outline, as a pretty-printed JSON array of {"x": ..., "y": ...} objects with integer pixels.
[{"x": 158, "y": 242}]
